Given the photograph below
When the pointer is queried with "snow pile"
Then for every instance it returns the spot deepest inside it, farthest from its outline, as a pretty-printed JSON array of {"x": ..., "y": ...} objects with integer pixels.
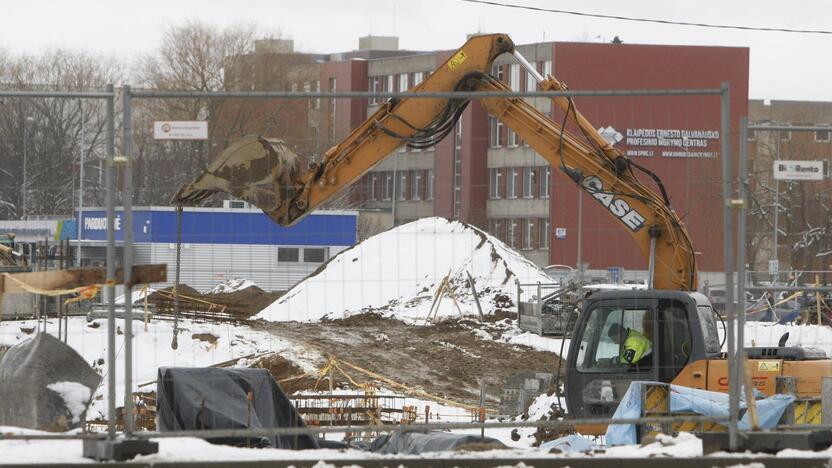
[
  {"x": 398, "y": 272},
  {"x": 75, "y": 396},
  {"x": 200, "y": 345},
  {"x": 231, "y": 286}
]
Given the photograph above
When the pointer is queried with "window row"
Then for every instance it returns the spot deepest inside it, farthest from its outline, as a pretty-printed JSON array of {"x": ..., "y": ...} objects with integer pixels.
[
  {"x": 308, "y": 87},
  {"x": 521, "y": 233},
  {"x": 821, "y": 136},
  {"x": 397, "y": 83},
  {"x": 411, "y": 185},
  {"x": 519, "y": 182},
  {"x": 293, "y": 254}
]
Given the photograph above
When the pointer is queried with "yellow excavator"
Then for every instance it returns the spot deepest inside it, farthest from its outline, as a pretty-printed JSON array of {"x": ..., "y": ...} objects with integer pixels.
[{"x": 677, "y": 325}]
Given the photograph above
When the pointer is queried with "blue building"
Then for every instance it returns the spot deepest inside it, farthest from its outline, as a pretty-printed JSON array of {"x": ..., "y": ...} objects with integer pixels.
[{"x": 219, "y": 244}]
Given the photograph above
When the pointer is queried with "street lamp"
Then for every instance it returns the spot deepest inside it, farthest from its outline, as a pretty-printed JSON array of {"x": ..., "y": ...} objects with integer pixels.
[{"x": 28, "y": 121}]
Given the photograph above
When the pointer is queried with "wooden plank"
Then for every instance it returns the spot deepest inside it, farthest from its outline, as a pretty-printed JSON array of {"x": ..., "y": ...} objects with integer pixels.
[{"x": 75, "y": 277}]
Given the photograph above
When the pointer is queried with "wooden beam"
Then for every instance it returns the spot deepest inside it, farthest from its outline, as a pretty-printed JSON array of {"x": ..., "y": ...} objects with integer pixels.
[{"x": 76, "y": 277}]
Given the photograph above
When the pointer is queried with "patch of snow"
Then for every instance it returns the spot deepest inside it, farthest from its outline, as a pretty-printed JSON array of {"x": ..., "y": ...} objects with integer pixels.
[
  {"x": 76, "y": 396},
  {"x": 540, "y": 343},
  {"x": 137, "y": 295},
  {"x": 152, "y": 349},
  {"x": 397, "y": 273},
  {"x": 231, "y": 286}
]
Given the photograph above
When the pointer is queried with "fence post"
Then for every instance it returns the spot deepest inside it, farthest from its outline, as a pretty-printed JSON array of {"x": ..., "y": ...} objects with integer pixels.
[{"x": 826, "y": 400}]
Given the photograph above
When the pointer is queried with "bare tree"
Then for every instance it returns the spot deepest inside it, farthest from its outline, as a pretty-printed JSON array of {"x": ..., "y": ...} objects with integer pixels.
[
  {"x": 197, "y": 56},
  {"x": 45, "y": 135}
]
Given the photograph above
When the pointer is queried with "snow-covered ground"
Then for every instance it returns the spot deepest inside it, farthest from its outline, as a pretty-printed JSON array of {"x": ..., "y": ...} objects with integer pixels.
[
  {"x": 152, "y": 348},
  {"x": 230, "y": 286},
  {"x": 397, "y": 273}
]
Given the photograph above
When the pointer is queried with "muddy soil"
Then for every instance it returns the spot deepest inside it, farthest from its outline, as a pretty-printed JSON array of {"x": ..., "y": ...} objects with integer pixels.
[{"x": 447, "y": 359}]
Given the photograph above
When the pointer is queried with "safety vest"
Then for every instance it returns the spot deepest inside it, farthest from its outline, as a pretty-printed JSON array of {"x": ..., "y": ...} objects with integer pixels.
[{"x": 635, "y": 347}]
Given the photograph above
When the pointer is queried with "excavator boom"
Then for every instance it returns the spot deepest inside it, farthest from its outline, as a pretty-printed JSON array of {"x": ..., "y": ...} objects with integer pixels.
[{"x": 266, "y": 173}]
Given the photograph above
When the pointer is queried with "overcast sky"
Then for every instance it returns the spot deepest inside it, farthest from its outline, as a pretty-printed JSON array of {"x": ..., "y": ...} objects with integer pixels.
[{"x": 783, "y": 65}]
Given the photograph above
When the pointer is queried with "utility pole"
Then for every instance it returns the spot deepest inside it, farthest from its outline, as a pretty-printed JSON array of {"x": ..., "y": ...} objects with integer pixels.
[{"x": 80, "y": 185}]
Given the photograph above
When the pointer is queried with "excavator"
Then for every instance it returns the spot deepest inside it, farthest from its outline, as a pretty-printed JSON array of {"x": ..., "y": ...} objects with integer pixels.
[{"x": 683, "y": 344}]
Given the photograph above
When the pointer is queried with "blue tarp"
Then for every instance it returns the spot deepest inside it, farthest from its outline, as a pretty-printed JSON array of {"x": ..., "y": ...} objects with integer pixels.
[
  {"x": 691, "y": 400},
  {"x": 570, "y": 443}
]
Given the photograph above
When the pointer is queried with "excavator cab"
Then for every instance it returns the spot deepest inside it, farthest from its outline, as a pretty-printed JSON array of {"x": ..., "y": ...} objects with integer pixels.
[{"x": 625, "y": 336}]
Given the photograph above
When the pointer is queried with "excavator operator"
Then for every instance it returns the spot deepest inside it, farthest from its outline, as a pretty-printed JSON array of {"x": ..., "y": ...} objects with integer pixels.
[{"x": 636, "y": 344}]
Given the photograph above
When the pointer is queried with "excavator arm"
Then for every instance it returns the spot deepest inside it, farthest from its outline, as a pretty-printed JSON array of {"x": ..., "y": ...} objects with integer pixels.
[{"x": 266, "y": 173}]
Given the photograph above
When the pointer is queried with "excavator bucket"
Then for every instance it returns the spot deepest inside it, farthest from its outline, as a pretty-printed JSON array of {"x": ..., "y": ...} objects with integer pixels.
[{"x": 261, "y": 171}]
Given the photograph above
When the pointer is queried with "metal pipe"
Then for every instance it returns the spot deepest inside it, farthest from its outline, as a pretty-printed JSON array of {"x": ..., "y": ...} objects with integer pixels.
[
  {"x": 776, "y": 220},
  {"x": 787, "y": 128},
  {"x": 528, "y": 66},
  {"x": 80, "y": 184},
  {"x": 151, "y": 94},
  {"x": 727, "y": 234},
  {"x": 789, "y": 288},
  {"x": 580, "y": 261},
  {"x": 651, "y": 265},
  {"x": 280, "y": 431},
  {"x": 127, "y": 236},
  {"x": 110, "y": 183},
  {"x": 742, "y": 179},
  {"x": 56, "y": 94}
]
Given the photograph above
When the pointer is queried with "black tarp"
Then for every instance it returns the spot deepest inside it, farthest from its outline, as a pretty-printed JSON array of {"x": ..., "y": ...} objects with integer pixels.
[
  {"x": 214, "y": 398},
  {"x": 26, "y": 371},
  {"x": 413, "y": 443}
]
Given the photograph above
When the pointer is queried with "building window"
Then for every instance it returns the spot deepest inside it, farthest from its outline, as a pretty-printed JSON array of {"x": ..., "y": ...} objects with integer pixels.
[
  {"x": 494, "y": 226},
  {"x": 513, "y": 139},
  {"x": 403, "y": 82},
  {"x": 374, "y": 87},
  {"x": 547, "y": 68},
  {"x": 429, "y": 190},
  {"x": 822, "y": 136},
  {"x": 388, "y": 83},
  {"x": 416, "y": 186},
  {"x": 544, "y": 233},
  {"x": 528, "y": 233},
  {"x": 495, "y": 129},
  {"x": 497, "y": 72},
  {"x": 785, "y": 136},
  {"x": 752, "y": 135},
  {"x": 371, "y": 186},
  {"x": 307, "y": 88},
  {"x": 387, "y": 186},
  {"x": 317, "y": 90},
  {"x": 512, "y": 233},
  {"x": 495, "y": 182},
  {"x": 514, "y": 76},
  {"x": 294, "y": 87},
  {"x": 511, "y": 182},
  {"x": 545, "y": 176},
  {"x": 401, "y": 190},
  {"x": 531, "y": 82},
  {"x": 418, "y": 77},
  {"x": 528, "y": 182},
  {"x": 331, "y": 110},
  {"x": 316, "y": 255},
  {"x": 287, "y": 254}
]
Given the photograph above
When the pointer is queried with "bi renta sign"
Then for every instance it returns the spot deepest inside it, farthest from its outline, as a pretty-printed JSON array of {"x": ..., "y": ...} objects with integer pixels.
[
  {"x": 180, "y": 130},
  {"x": 798, "y": 170}
]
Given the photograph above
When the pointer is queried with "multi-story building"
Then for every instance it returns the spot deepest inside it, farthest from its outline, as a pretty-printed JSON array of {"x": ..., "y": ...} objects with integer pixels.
[{"x": 484, "y": 174}]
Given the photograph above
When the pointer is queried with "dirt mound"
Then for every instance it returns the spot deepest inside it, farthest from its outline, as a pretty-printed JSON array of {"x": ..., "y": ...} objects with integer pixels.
[
  {"x": 236, "y": 305},
  {"x": 449, "y": 358}
]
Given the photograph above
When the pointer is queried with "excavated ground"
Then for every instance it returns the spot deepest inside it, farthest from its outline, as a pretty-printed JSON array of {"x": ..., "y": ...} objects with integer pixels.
[{"x": 447, "y": 359}]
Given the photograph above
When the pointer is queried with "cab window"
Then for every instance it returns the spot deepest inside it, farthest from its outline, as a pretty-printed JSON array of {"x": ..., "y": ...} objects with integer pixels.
[{"x": 600, "y": 349}]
